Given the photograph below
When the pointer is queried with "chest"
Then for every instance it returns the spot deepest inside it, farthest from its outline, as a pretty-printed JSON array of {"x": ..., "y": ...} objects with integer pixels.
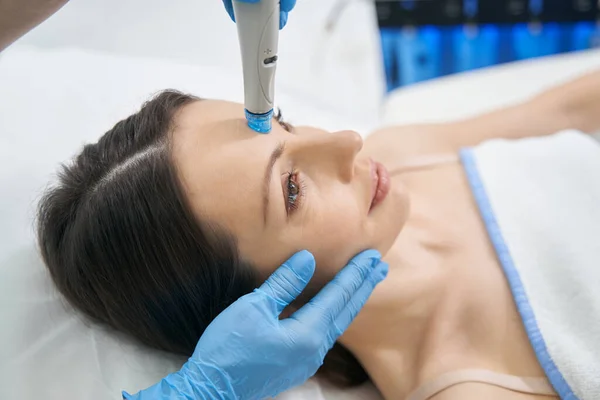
[
  {"x": 444, "y": 221},
  {"x": 445, "y": 231}
]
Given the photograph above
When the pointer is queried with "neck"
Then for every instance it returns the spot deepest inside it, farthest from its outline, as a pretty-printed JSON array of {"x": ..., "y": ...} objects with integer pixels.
[{"x": 393, "y": 336}]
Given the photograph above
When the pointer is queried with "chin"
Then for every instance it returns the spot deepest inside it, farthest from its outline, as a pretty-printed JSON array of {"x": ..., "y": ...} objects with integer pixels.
[
  {"x": 401, "y": 197},
  {"x": 393, "y": 216}
]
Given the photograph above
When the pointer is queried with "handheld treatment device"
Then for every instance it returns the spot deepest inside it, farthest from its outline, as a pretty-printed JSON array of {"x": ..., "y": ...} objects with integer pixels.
[{"x": 258, "y": 32}]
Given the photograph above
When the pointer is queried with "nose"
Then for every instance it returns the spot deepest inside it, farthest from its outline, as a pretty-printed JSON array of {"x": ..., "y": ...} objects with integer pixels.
[{"x": 330, "y": 152}]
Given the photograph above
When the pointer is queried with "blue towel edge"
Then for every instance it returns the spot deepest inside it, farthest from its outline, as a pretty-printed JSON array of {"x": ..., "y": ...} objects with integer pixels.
[{"x": 536, "y": 339}]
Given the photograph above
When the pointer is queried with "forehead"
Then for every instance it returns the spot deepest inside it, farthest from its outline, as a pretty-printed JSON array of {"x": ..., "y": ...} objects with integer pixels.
[
  {"x": 221, "y": 163},
  {"x": 217, "y": 123},
  {"x": 209, "y": 129},
  {"x": 198, "y": 120}
]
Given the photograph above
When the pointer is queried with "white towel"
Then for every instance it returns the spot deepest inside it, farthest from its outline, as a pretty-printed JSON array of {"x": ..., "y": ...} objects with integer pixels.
[{"x": 540, "y": 200}]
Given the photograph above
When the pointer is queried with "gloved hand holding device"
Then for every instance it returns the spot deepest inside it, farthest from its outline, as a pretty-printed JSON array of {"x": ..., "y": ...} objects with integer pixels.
[
  {"x": 258, "y": 25},
  {"x": 248, "y": 353},
  {"x": 285, "y": 7}
]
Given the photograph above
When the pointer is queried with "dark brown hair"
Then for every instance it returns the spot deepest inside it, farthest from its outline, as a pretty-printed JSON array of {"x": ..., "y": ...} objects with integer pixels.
[{"x": 122, "y": 245}]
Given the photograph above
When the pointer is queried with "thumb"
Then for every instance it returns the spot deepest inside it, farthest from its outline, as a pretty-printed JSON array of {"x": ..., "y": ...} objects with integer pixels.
[
  {"x": 289, "y": 280},
  {"x": 229, "y": 8},
  {"x": 287, "y": 5}
]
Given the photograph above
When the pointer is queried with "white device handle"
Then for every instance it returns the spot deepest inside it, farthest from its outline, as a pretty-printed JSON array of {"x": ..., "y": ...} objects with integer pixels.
[{"x": 258, "y": 32}]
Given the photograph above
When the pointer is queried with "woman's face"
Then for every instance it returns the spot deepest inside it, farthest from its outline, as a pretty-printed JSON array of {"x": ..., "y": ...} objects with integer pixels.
[{"x": 292, "y": 189}]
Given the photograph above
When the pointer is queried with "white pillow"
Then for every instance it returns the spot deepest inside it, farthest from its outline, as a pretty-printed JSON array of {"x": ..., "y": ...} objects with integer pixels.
[{"x": 51, "y": 103}]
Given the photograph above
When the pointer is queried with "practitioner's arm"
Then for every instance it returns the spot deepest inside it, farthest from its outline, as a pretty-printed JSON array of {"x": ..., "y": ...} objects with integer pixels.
[{"x": 17, "y": 17}]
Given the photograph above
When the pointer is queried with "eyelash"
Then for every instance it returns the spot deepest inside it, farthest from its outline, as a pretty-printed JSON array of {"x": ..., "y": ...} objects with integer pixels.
[
  {"x": 293, "y": 201},
  {"x": 279, "y": 118}
]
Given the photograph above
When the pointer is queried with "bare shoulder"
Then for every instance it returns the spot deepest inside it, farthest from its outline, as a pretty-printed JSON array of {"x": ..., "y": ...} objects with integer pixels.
[
  {"x": 570, "y": 105},
  {"x": 529, "y": 119},
  {"x": 404, "y": 142}
]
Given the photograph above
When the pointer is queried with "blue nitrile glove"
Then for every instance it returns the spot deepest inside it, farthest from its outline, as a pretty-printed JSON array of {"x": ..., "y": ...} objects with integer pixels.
[
  {"x": 284, "y": 5},
  {"x": 248, "y": 353}
]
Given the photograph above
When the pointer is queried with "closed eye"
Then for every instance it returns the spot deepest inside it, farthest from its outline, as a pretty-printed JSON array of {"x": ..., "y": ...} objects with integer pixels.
[{"x": 279, "y": 118}]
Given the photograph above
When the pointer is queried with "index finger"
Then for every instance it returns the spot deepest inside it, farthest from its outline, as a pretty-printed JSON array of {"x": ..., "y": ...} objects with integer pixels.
[
  {"x": 289, "y": 280},
  {"x": 347, "y": 315},
  {"x": 331, "y": 300}
]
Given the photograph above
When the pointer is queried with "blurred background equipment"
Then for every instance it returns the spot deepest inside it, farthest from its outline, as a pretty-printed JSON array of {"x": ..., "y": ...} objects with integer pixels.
[{"x": 425, "y": 39}]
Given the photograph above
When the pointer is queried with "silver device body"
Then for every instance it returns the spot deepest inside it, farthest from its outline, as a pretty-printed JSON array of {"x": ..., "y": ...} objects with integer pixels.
[{"x": 258, "y": 32}]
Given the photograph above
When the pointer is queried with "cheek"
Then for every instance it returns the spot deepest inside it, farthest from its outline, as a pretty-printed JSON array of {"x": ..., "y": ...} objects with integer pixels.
[
  {"x": 333, "y": 232},
  {"x": 334, "y": 237},
  {"x": 341, "y": 232}
]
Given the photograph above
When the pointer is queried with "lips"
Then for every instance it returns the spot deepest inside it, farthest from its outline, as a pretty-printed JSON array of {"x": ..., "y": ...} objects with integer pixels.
[{"x": 381, "y": 184}]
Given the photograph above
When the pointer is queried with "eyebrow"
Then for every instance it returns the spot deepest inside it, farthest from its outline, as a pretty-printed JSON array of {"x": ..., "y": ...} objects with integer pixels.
[{"x": 275, "y": 155}]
